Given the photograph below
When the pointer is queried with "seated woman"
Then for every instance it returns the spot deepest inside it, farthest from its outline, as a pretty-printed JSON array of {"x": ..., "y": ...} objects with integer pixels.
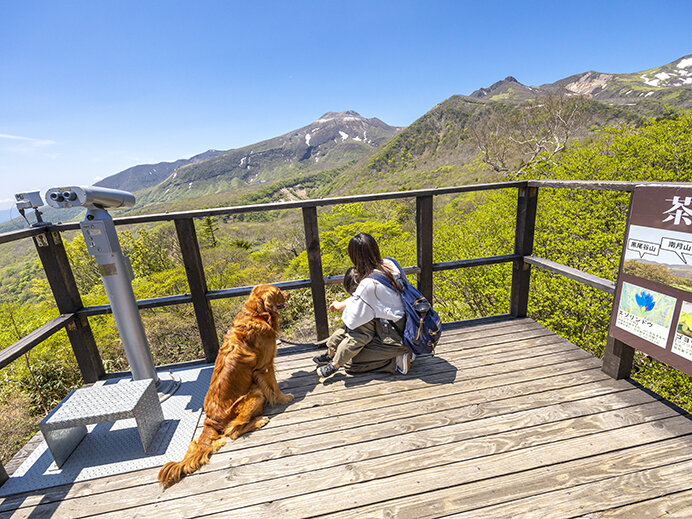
[
  {"x": 372, "y": 301},
  {"x": 344, "y": 343}
]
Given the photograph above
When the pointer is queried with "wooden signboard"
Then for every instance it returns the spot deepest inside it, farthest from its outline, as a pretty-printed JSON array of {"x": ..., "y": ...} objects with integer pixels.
[{"x": 653, "y": 298}]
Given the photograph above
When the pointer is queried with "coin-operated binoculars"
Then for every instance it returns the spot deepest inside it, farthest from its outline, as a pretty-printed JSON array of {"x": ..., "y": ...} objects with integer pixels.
[{"x": 115, "y": 268}]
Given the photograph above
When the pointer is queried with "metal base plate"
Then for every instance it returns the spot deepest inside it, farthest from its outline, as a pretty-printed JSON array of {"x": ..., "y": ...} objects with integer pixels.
[{"x": 115, "y": 448}]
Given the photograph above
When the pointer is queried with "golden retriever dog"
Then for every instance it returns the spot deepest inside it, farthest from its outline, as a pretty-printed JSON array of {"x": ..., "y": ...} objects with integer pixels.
[{"x": 242, "y": 380}]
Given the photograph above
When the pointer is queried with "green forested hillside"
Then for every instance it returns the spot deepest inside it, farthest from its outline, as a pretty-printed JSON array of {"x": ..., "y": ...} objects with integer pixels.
[
  {"x": 579, "y": 228},
  {"x": 465, "y": 140}
]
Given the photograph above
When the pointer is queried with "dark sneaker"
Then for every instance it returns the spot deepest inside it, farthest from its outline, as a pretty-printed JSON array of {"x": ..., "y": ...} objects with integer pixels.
[
  {"x": 323, "y": 359},
  {"x": 326, "y": 371}
]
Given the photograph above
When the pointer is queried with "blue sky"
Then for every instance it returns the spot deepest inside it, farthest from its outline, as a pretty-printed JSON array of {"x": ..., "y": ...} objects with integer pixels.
[{"x": 89, "y": 88}]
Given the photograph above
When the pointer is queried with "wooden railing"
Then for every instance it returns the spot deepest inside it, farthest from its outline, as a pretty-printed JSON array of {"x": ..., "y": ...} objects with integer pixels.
[{"x": 74, "y": 316}]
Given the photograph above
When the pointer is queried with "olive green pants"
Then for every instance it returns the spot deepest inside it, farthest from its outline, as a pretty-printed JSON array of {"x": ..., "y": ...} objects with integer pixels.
[
  {"x": 344, "y": 344},
  {"x": 371, "y": 347}
]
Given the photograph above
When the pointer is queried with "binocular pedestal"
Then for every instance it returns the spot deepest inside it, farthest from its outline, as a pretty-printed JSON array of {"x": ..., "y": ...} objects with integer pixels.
[
  {"x": 102, "y": 242},
  {"x": 116, "y": 272}
]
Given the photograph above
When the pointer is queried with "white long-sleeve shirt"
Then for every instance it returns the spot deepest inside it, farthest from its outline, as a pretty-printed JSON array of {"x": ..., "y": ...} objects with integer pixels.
[{"x": 373, "y": 300}]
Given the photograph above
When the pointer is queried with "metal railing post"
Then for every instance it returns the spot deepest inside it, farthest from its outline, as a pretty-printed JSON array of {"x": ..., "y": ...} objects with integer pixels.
[
  {"x": 194, "y": 269},
  {"x": 424, "y": 244},
  {"x": 51, "y": 252},
  {"x": 312, "y": 245},
  {"x": 527, "y": 202}
]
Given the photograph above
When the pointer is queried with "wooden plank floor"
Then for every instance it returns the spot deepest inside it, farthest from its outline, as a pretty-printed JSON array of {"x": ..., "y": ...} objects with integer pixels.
[{"x": 509, "y": 420}]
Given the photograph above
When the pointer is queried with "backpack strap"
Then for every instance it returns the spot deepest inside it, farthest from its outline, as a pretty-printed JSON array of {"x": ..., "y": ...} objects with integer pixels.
[
  {"x": 402, "y": 275},
  {"x": 386, "y": 282},
  {"x": 382, "y": 279}
]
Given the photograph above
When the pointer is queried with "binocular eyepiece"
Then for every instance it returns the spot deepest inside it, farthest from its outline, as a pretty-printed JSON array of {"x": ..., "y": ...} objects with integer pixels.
[{"x": 58, "y": 196}]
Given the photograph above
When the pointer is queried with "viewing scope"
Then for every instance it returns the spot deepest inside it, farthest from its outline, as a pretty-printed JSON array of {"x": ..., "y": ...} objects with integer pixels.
[{"x": 89, "y": 196}]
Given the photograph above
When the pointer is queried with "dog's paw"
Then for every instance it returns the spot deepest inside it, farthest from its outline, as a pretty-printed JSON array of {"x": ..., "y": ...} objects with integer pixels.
[{"x": 285, "y": 398}]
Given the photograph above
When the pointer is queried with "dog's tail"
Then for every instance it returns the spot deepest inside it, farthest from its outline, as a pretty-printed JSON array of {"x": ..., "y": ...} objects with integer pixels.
[{"x": 197, "y": 455}]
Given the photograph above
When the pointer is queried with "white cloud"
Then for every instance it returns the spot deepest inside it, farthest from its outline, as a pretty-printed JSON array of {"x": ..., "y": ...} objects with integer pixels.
[{"x": 30, "y": 140}]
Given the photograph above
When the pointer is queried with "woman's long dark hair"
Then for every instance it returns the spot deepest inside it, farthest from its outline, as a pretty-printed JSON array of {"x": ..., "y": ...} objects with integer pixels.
[{"x": 365, "y": 255}]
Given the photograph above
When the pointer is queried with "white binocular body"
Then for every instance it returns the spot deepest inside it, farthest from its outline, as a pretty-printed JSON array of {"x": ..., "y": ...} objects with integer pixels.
[{"x": 89, "y": 196}]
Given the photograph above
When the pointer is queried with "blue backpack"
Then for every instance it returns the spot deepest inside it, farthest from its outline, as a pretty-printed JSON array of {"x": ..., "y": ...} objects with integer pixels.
[{"x": 423, "y": 326}]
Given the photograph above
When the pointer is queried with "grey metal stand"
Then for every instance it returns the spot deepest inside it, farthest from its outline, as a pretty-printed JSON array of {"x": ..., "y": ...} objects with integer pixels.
[{"x": 65, "y": 426}]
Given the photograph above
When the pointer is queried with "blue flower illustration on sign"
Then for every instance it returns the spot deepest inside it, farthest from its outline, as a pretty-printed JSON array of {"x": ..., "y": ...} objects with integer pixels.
[{"x": 645, "y": 300}]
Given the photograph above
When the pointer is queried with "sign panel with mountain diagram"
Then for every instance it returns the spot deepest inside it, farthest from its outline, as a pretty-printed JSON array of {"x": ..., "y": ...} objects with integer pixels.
[{"x": 653, "y": 298}]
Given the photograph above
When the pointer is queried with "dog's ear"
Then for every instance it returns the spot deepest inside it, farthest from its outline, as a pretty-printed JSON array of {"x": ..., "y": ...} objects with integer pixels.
[
  {"x": 269, "y": 297},
  {"x": 255, "y": 303}
]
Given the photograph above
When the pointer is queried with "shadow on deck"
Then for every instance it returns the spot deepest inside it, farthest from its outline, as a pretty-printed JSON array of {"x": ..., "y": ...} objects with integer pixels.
[{"x": 509, "y": 420}]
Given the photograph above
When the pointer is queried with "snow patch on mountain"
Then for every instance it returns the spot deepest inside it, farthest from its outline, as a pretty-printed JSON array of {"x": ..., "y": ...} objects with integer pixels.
[
  {"x": 685, "y": 63},
  {"x": 345, "y": 118},
  {"x": 650, "y": 82}
]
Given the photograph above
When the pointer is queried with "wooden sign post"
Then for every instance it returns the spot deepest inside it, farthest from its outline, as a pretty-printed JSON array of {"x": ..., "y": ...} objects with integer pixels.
[{"x": 652, "y": 311}]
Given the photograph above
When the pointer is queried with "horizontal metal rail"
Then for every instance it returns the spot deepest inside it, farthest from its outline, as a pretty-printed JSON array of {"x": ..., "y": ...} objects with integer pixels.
[
  {"x": 286, "y": 285},
  {"x": 571, "y": 273},
  {"x": 8, "y": 237},
  {"x": 154, "y": 302},
  {"x": 475, "y": 262},
  {"x": 225, "y": 293},
  {"x": 25, "y": 344}
]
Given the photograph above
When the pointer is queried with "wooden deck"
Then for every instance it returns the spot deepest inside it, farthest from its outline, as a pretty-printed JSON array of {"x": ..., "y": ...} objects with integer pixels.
[{"x": 509, "y": 420}]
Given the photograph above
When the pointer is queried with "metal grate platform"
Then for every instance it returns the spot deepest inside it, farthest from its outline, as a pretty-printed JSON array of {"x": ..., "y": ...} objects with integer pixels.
[
  {"x": 65, "y": 426},
  {"x": 115, "y": 447}
]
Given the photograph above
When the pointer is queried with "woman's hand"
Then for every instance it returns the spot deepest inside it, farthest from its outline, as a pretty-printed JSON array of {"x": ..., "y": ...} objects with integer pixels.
[{"x": 337, "y": 306}]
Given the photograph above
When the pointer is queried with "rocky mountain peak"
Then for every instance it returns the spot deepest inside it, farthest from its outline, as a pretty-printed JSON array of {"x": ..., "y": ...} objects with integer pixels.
[
  {"x": 348, "y": 115},
  {"x": 502, "y": 87}
]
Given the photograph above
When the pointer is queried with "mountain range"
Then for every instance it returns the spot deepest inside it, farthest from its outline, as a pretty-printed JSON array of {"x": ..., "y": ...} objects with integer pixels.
[
  {"x": 331, "y": 141},
  {"x": 671, "y": 83},
  {"x": 346, "y": 152}
]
